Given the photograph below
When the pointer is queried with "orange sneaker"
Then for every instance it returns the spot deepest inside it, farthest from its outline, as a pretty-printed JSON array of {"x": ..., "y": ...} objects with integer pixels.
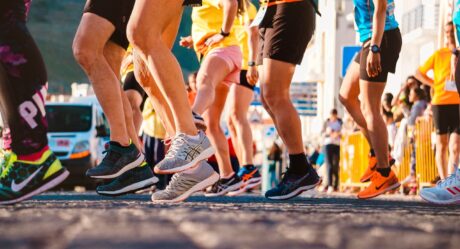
[
  {"x": 379, "y": 185},
  {"x": 370, "y": 169}
]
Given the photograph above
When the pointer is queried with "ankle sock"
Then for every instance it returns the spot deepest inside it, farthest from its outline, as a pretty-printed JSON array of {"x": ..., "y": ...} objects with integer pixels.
[
  {"x": 114, "y": 143},
  {"x": 298, "y": 163},
  {"x": 384, "y": 171},
  {"x": 34, "y": 156},
  {"x": 248, "y": 166},
  {"x": 372, "y": 153}
]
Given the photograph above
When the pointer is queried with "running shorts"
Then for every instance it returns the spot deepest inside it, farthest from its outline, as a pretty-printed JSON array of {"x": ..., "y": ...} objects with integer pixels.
[{"x": 446, "y": 119}]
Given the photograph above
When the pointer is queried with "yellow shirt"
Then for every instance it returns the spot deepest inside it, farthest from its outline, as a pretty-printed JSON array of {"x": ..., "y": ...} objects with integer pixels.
[
  {"x": 125, "y": 69},
  {"x": 439, "y": 62},
  {"x": 240, "y": 28},
  {"x": 152, "y": 124},
  {"x": 207, "y": 21}
]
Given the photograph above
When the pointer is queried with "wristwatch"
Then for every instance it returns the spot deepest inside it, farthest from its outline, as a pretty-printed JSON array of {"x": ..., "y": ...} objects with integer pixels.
[
  {"x": 222, "y": 33},
  {"x": 375, "y": 49},
  {"x": 251, "y": 63}
]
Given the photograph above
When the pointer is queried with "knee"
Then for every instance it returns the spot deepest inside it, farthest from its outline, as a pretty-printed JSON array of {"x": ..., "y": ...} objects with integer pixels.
[
  {"x": 213, "y": 125},
  {"x": 344, "y": 100},
  {"x": 274, "y": 100},
  {"x": 83, "y": 54},
  {"x": 141, "y": 38}
]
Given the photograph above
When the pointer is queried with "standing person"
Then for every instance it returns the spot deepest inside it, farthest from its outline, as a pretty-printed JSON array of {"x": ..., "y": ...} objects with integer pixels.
[
  {"x": 445, "y": 108},
  {"x": 152, "y": 29},
  {"x": 240, "y": 97},
  {"x": 444, "y": 104},
  {"x": 220, "y": 65},
  {"x": 99, "y": 47},
  {"x": 332, "y": 132},
  {"x": 381, "y": 38},
  {"x": 285, "y": 32},
  {"x": 32, "y": 168}
]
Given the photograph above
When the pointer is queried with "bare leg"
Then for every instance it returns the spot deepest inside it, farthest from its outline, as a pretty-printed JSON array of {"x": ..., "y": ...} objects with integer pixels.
[
  {"x": 378, "y": 134},
  {"x": 135, "y": 100},
  {"x": 147, "y": 23},
  {"x": 212, "y": 117},
  {"x": 349, "y": 97},
  {"x": 442, "y": 142},
  {"x": 89, "y": 44},
  {"x": 277, "y": 76},
  {"x": 454, "y": 145},
  {"x": 240, "y": 99}
]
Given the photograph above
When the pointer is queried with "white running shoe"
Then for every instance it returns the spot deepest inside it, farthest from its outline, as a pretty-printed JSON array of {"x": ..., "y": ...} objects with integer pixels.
[{"x": 446, "y": 191}]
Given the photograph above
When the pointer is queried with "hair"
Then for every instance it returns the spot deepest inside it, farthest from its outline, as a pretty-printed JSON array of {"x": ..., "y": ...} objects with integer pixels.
[
  {"x": 450, "y": 23},
  {"x": 388, "y": 97},
  {"x": 388, "y": 114},
  {"x": 334, "y": 112},
  {"x": 242, "y": 4},
  {"x": 412, "y": 77},
  {"x": 420, "y": 93}
]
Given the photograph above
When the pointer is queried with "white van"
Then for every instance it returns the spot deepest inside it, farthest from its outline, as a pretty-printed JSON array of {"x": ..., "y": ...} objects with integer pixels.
[{"x": 77, "y": 134}]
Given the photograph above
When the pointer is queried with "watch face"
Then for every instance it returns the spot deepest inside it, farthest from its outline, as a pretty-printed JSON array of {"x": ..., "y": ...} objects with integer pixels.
[{"x": 375, "y": 49}]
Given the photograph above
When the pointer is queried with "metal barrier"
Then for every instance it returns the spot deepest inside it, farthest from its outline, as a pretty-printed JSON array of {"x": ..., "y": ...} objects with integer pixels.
[{"x": 354, "y": 160}]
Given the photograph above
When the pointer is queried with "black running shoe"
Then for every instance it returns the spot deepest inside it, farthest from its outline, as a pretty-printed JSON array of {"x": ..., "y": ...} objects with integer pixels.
[
  {"x": 117, "y": 161},
  {"x": 224, "y": 186},
  {"x": 293, "y": 185},
  {"x": 129, "y": 182}
]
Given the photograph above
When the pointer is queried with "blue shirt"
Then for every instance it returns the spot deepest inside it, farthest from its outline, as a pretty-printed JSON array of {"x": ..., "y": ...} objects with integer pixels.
[
  {"x": 456, "y": 15},
  {"x": 364, "y": 14}
]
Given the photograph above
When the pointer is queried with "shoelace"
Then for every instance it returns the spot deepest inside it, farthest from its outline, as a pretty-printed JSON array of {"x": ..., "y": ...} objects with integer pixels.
[
  {"x": 175, "y": 148},
  {"x": 177, "y": 183},
  {"x": 450, "y": 180}
]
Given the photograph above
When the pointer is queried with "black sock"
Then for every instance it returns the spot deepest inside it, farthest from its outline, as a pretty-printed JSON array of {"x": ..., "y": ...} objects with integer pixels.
[
  {"x": 372, "y": 153},
  {"x": 384, "y": 171},
  {"x": 298, "y": 163},
  {"x": 248, "y": 166},
  {"x": 118, "y": 144}
]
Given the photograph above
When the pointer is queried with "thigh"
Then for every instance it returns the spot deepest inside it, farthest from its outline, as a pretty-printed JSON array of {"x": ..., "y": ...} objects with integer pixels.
[
  {"x": 153, "y": 17},
  {"x": 440, "y": 119},
  {"x": 213, "y": 69},
  {"x": 277, "y": 77},
  {"x": 93, "y": 33},
  {"x": 350, "y": 84},
  {"x": 371, "y": 94}
]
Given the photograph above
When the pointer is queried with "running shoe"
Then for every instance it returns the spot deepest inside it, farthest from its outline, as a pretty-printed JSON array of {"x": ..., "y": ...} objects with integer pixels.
[
  {"x": 379, "y": 185},
  {"x": 251, "y": 179},
  {"x": 372, "y": 167},
  {"x": 5, "y": 156},
  {"x": 224, "y": 186},
  {"x": 199, "y": 121},
  {"x": 117, "y": 161},
  {"x": 184, "y": 184},
  {"x": 446, "y": 191},
  {"x": 21, "y": 180},
  {"x": 131, "y": 181},
  {"x": 293, "y": 184},
  {"x": 184, "y": 153}
]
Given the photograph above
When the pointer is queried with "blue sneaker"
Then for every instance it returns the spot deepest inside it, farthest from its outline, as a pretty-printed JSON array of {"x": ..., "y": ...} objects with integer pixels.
[
  {"x": 251, "y": 178},
  {"x": 131, "y": 181},
  {"x": 117, "y": 161},
  {"x": 293, "y": 185}
]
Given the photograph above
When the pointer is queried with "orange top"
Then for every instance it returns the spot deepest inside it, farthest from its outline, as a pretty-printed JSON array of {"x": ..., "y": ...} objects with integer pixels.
[
  {"x": 275, "y": 2},
  {"x": 440, "y": 63}
]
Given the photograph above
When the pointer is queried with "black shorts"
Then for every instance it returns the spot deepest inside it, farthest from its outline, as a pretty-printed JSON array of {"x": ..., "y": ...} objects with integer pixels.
[
  {"x": 244, "y": 81},
  {"x": 117, "y": 12},
  {"x": 285, "y": 31},
  {"x": 389, "y": 55},
  {"x": 446, "y": 119},
  {"x": 193, "y": 3},
  {"x": 130, "y": 83}
]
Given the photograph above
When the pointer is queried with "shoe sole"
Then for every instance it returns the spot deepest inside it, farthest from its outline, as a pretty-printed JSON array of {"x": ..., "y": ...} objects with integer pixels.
[
  {"x": 47, "y": 186},
  {"x": 383, "y": 191},
  {"x": 131, "y": 188},
  {"x": 127, "y": 167},
  {"x": 197, "y": 188},
  {"x": 227, "y": 190},
  {"x": 203, "y": 156},
  {"x": 293, "y": 193},
  {"x": 437, "y": 202},
  {"x": 251, "y": 184}
]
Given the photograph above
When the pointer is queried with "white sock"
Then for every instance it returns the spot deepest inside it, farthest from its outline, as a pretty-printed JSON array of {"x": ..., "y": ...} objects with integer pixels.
[{"x": 195, "y": 138}]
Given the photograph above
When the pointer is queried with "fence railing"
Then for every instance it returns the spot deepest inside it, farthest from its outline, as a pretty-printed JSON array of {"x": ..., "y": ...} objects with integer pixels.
[{"x": 354, "y": 151}]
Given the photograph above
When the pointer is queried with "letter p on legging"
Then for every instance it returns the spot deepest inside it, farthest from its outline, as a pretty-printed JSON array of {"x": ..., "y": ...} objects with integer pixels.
[{"x": 23, "y": 80}]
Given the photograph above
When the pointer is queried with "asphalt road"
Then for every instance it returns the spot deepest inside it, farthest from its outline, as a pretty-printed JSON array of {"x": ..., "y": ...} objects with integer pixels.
[{"x": 85, "y": 220}]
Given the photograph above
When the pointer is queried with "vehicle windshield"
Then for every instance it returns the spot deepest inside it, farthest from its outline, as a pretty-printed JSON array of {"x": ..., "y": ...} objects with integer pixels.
[{"x": 64, "y": 118}]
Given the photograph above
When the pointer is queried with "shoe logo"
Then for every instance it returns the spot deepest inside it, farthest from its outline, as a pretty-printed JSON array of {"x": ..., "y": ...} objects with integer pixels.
[
  {"x": 18, "y": 187},
  {"x": 249, "y": 175},
  {"x": 452, "y": 190},
  {"x": 379, "y": 187}
]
